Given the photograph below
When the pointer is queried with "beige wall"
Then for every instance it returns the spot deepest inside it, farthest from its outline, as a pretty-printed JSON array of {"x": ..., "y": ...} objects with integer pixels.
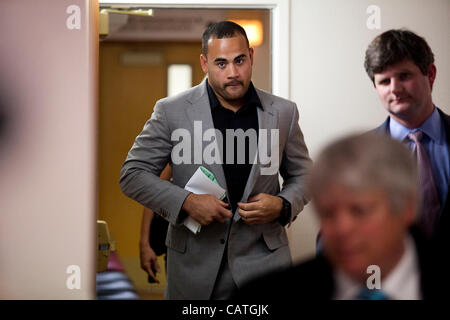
[
  {"x": 47, "y": 156},
  {"x": 328, "y": 81}
]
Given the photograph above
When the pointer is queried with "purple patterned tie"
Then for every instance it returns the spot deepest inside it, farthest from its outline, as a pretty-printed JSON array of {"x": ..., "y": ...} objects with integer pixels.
[{"x": 430, "y": 199}]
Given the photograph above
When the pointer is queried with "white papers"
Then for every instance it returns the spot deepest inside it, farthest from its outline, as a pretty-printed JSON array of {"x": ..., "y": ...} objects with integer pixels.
[{"x": 200, "y": 183}]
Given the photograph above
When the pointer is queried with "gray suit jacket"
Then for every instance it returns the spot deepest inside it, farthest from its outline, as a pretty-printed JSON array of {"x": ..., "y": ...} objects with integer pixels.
[{"x": 253, "y": 250}]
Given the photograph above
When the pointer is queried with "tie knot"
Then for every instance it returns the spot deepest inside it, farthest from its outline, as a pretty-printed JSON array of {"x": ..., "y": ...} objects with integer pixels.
[{"x": 415, "y": 136}]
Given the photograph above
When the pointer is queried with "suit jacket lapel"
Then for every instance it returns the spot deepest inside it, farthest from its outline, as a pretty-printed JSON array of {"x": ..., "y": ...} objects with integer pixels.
[
  {"x": 199, "y": 110},
  {"x": 446, "y": 203},
  {"x": 267, "y": 119},
  {"x": 384, "y": 128}
]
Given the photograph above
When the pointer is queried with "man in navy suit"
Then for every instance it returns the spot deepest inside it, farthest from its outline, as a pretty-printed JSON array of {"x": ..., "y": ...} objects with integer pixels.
[
  {"x": 364, "y": 190},
  {"x": 401, "y": 67}
]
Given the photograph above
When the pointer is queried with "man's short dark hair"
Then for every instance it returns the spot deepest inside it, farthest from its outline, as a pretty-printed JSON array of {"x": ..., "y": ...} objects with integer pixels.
[
  {"x": 220, "y": 30},
  {"x": 394, "y": 46}
]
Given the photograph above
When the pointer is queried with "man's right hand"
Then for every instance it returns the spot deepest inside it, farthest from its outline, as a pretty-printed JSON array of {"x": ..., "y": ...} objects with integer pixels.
[{"x": 205, "y": 208}]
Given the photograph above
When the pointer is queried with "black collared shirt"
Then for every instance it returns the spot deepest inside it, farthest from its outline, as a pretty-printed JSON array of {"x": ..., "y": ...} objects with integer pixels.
[{"x": 245, "y": 118}]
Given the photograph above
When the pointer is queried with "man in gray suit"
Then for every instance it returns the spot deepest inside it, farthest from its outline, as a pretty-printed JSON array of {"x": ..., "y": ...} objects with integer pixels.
[
  {"x": 242, "y": 237},
  {"x": 401, "y": 67}
]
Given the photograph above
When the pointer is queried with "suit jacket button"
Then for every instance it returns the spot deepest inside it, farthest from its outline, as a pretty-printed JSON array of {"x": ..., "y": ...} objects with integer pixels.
[{"x": 222, "y": 241}]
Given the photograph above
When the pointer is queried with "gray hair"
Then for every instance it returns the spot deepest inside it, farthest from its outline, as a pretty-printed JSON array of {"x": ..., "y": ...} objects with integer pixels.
[{"x": 367, "y": 161}]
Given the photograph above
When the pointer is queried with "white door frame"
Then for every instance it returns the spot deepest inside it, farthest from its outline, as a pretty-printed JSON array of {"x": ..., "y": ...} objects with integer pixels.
[{"x": 280, "y": 29}]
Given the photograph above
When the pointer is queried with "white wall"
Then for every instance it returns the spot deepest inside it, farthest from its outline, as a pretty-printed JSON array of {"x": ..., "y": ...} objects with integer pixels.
[
  {"x": 47, "y": 151},
  {"x": 328, "y": 80}
]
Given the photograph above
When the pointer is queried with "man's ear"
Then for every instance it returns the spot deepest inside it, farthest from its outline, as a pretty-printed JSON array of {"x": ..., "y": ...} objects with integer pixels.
[
  {"x": 251, "y": 51},
  {"x": 431, "y": 74},
  {"x": 204, "y": 63}
]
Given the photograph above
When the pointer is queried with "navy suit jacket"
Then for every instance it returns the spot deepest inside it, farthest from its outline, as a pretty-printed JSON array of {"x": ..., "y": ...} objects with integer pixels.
[
  {"x": 442, "y": 228},
  {"x": 314, "y": 279}
]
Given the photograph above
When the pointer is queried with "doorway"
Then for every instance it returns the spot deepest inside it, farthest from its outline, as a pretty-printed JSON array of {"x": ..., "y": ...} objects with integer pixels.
[{"x": 136, "y": 55}]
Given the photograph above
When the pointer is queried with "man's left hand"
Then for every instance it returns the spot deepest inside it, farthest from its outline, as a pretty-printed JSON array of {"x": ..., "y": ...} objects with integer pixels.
[{"x": 260, "y": 208}]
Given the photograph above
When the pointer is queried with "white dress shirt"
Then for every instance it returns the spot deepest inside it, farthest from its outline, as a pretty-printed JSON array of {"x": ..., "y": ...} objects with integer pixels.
[{"x": 402, "y": 283}]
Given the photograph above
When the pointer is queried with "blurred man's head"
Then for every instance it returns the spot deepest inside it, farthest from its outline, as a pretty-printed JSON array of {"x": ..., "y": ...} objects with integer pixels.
[
  {"x": 401, "y": 67},
  {"x": 364, "y": 189},
  {"x": 227, "y": 59}
]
